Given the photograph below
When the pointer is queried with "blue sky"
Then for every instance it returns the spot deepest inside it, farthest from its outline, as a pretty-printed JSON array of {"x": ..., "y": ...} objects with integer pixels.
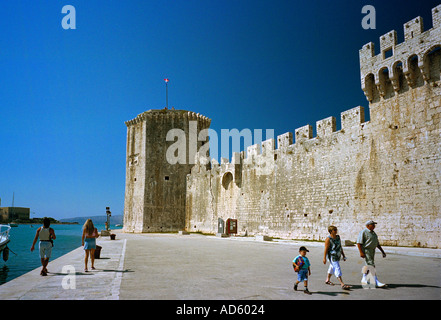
[{"x": 65, "y": 94}]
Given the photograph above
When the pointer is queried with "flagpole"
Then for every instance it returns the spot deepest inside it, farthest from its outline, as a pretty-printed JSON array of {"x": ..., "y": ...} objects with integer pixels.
[{"x": 166, "y": 93}]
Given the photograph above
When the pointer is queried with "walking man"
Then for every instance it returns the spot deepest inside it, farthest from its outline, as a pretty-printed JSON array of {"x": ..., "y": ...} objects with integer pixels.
[
  {"x": 46, "y": 235},
  {"x": 367, "y": 242}
]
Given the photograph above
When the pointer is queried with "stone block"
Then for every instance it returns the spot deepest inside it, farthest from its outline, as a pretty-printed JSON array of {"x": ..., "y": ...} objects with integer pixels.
[
  {"x": 263, "y": 238},
  {"x": 105, "y": 233},
  {"x": 221, "y": 235}
]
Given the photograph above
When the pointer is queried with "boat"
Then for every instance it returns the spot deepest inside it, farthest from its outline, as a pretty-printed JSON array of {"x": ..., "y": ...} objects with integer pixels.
[
  {"x": 4, "y": 240},
  {"x": 13, "y": 224}
]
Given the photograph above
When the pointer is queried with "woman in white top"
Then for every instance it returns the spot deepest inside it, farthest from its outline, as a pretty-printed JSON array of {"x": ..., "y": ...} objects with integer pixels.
[
  {"x": 90, "y": 233},
  {"x": 46, "y": 235}
]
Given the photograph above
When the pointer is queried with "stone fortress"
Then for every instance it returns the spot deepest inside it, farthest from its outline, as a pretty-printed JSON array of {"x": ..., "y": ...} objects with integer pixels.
[{"x": 387, "y": 169}]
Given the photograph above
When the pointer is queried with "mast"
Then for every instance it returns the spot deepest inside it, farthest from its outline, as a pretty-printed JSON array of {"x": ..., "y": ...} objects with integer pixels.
[{"x": 12, "y": 209}]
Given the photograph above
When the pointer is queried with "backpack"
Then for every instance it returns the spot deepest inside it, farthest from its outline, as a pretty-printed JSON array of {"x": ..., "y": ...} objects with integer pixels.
[{"x": 299, "y": 262}]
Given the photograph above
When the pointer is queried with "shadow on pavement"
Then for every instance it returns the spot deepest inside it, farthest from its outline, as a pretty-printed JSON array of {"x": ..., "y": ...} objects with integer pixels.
[
  {"x": 330, "y": 293},
  {"x": 111, "y": 270},
  {"x": 413, "y": 285}
]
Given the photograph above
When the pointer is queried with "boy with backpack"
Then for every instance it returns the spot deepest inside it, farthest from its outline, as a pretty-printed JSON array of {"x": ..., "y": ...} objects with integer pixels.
[{"x": 302, "y": 266}]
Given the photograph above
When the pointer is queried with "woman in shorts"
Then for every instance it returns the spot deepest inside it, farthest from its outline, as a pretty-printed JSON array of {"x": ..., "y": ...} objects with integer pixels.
[
  {"x": 333, "y": 253},
  {"x": 90, "y": 233}
]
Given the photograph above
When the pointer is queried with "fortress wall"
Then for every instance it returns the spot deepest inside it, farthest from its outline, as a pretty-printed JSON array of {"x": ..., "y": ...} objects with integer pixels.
[
  {"x": 387, "y": 169},
  {"x": 295, "y": 186}
]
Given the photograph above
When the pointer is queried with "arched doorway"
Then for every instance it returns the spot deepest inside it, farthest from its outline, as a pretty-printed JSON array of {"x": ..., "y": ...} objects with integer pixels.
[{"x": 227, "y": 200}]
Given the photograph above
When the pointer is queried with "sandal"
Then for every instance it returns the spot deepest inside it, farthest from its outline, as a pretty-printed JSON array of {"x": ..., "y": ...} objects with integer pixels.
[
  {"x": 329, "y": 283},
  {"x": 346, "y": 287}
]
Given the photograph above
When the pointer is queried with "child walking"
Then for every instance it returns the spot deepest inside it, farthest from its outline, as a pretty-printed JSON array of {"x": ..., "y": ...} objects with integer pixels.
[{"x": 302, "y": 266}]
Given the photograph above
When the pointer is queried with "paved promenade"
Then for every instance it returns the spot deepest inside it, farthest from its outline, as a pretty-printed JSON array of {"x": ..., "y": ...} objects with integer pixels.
[{"x": 197, "y": 267}]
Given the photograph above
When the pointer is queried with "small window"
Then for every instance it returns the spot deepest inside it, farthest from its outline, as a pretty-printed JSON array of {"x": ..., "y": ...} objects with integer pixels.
[
  {"x": 226, "y": 180},
  {"x": 166, "y": 178},
  {"x": 388, "y": 53}
]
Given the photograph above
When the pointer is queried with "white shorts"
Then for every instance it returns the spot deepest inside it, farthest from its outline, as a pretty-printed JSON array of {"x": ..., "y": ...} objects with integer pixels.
[
  {"x": 45, "y": 249},
  {"x": 334, "y": 268}
]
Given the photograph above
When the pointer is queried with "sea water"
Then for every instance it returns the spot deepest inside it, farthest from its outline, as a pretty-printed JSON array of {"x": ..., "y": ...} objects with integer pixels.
[{"x": 22, "y": 260}]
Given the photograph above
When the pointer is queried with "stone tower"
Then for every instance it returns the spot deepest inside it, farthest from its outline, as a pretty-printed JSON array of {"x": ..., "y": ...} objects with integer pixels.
[{"x": 161, "y": 149}]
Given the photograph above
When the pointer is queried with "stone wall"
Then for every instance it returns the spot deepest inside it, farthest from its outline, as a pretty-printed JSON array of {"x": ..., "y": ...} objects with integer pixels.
[{"x": 387, "y": 169}]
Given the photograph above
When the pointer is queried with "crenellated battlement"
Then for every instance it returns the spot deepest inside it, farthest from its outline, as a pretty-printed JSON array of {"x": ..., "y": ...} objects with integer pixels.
[
  {"x": 303, "y": 133},
  {"x": 284, "y": 140},
  {"x": 263, "y": 156},
  {"x": 326, "y": 127},
  {"x": 156, "y": 114},
  {"x": 402, "y": 66}
]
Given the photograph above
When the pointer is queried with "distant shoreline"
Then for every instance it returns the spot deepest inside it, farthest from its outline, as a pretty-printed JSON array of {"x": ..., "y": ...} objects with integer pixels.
[
  {"x": 114, "y": 220},
  {"x": 41, "y": 223}
]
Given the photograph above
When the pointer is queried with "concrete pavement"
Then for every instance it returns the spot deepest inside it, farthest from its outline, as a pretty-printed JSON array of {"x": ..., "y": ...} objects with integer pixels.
[
  {"x": 197, "y": 267},
  {"x": 67, "y": 279}
]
